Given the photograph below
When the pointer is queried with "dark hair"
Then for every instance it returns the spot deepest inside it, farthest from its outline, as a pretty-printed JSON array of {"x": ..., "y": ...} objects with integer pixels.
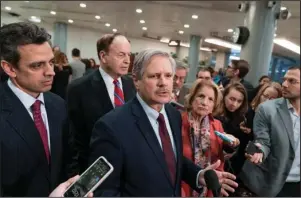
[
  {"x": 243, "y": 67},
  {"x": 87, "y": 63},
  {"x": 105, "y": 41},
  {"x": 92, "y": 59},
  {"x": 244, "y": 106},
  {"x": 264, "y": 76},
  {"x": 75, "y": 52},
  {"x": 18, "y": 34},
  {"x": 205, "y": 69}
]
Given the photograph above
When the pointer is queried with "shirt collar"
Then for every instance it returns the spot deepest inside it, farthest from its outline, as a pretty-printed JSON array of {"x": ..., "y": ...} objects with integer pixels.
[
  {"x": 150, "y": 112},
  {"x": 26, "y": 99},
  {"x": 107, "y": 77}
]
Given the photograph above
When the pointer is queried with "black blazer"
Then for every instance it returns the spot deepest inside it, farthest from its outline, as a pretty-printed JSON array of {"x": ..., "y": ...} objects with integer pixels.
[
  {"x": 24, "y": 168},
  {"x": 88, "y": 100},
  {"x": 126, "y": 138}
]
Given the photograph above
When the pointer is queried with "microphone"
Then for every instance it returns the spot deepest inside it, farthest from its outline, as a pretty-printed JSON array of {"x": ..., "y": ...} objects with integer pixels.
[{"x": 212, "y": 182}]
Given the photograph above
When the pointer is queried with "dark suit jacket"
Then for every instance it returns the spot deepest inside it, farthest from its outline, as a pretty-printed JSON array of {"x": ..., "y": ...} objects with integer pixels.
[
  {"x": 88, "y": 100},
  {"x": 126, "y": 138},
  {"x": 24, "y": 167}
]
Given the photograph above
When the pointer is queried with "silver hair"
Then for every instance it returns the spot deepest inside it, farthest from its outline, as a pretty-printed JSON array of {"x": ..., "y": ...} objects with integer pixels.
[
  {"x": 181, "y": 65},
  {"x": 143, "y": 59}
]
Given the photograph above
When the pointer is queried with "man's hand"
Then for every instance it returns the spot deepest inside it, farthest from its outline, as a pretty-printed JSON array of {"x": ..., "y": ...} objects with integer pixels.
[
  {"x": 225, "y": 179},
  {"x": 256, "y": 158},
  {"x": 60, "y": 190}
]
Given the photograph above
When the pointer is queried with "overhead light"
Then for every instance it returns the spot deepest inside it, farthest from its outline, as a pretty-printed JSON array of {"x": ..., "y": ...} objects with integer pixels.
[
  {"x": 283, "y": 8},
  {"x": 230, "y": 30},
  {"x": 97, "y": 17},
  {"x": 82, "y": 5},
  {"x": 138, "y": 10},
  {"x": 142, "y": 21},
  {"x": 53, "y": 12},
  {"x": 35, "y": 19},
  {"x": 275, "y": 35},
  {"x": 186, "y": 26},
  {"x": 7, "y": 8},
  {"x": 70, "y": 21},
  {"x": 205, "y": 49},
  {"x": 195, "y": 16},
  {"x": 173, "y": 43},
  {"x": 27, "y": 1},
  {"x": 181, "y": 32},
  {"x": 184, "y": 44},
  {"x": 107, "y": 24},
  {"x": 223, "y": 43},
  {"x": 144, "y": 28},
  {"x": 114, "y": 30},
  {"x": 288, "y": 45},
  {"x": 164, "y": 40},
  {"x": 234, "y": 58}
]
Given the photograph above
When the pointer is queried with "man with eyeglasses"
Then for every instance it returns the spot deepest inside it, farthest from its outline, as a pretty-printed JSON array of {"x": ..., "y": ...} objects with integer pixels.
[
  {"x": 275, "y": 170},
  {"x": 179, "y": 79}
]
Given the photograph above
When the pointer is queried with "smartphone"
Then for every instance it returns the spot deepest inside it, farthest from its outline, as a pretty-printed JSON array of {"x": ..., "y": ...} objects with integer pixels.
[
  {"x": 223, "y": 137},
  {"x": 251, "y": 148},
  {"x": 90, "y": 179}
]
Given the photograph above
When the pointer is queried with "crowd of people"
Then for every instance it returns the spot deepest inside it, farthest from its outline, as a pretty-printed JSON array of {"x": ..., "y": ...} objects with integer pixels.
[{"x": 57, "y": 117}]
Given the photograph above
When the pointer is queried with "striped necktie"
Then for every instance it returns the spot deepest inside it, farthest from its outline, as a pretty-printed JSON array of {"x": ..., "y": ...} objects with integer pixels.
[{"x": 118, "y": 94}]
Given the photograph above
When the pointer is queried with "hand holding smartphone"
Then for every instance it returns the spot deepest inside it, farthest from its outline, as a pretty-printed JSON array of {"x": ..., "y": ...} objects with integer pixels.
[{"x": 90, "y": 179}]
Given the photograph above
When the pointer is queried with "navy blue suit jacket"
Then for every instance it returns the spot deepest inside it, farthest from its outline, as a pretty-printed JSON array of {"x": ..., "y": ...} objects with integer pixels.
[
  {"x": 24, "y": 168},
  {"x": 126, "y": 138}
]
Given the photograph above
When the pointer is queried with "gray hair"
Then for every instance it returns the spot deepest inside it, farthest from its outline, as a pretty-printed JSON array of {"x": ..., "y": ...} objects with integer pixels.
[
  {"x": 181, "y": 65},
  {"x": 143, "y": 59}
]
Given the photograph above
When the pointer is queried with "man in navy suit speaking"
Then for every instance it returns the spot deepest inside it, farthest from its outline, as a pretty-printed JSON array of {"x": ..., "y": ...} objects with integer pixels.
[{"x": 142, "y": 139}]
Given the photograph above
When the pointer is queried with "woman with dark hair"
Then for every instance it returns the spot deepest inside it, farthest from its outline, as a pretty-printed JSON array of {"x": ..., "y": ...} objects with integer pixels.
[
  {"x": 89, "y": 68},
  {"x": 235, "y": 105},
  {"x": 93, "y": 63}
]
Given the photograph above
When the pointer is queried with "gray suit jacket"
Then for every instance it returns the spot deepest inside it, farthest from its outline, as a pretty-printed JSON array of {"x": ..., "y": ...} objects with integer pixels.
[
  {"x": 183, "y": 92},
  {"x": 273, "y": 130}
]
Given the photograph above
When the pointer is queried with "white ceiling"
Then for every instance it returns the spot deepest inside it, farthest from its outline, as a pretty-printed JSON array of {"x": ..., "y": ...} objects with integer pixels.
[{"x": 163, "y": 18}]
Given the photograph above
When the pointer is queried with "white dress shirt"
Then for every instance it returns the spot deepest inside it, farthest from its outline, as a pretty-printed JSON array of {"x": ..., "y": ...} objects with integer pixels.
[
  {"x": 152, "y": 117},
  {"x": 27, "y": 100},
  {"x": 109, "y": 84}
]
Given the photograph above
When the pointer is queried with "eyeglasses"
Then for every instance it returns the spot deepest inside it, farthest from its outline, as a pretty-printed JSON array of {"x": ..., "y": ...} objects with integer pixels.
[{"x": 291, "y": 81}]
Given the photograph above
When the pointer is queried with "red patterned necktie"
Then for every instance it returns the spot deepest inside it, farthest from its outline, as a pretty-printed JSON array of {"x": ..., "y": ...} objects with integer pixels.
[
  {"x": 167, "y": 148},
  {"x": 38, "y": 121},
  {"x": 118, "y": 94}
]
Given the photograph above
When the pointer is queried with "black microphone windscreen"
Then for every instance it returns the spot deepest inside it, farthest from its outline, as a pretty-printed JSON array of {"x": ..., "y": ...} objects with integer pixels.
[{"x": 212, "y": 182}]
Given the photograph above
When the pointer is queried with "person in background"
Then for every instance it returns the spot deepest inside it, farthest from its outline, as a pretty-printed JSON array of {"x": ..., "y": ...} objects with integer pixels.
[
  {"x": 89, "y": 68},
  {"x": 78, "y": 67},
  {"x": 63, "y": 75},
  {"x": 33, "y": 121},
  {"x": 142, "y": 139},
  {"x": 275, "y": 171},
  {"x": 93, "y": 63},
  {"x": 56, "y": 49},
  {"x": 235, "y": 105},
  {"x": 236, "y": 72},
  {"x": 200, "y": 144},
  {"x": 262, "y": 80},
  {"x": 94, "y": 95},
  {"x": 179, "y": 79}
]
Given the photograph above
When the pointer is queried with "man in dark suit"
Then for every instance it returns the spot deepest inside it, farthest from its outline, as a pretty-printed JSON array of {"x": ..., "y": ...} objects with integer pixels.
[
  {"x": 142, "y": 139},
  {"x": 31, "y": 118},
  {"x": 94, "y": 95}
]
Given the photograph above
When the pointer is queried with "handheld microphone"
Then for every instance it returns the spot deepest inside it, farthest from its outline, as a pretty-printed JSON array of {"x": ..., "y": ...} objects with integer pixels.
[{"x": 212, "y": 182}]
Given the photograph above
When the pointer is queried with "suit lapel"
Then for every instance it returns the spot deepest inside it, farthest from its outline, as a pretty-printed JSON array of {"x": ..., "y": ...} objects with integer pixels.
[
  {"x": 287, "y": 121},
  {"x": 146, "y": 129},
  {"x": 128, "y": 90},
  {"x": 20, "y": 120},
  {"x": 101, "y": 91}
]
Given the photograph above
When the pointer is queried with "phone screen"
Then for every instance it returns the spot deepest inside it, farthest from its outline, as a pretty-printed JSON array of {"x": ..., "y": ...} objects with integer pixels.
[{"x": 89, "y": 179}]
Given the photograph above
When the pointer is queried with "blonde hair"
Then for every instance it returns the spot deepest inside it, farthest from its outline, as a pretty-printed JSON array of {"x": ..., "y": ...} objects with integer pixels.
[
  {"x": 197, "y": 86},
  {"x": 256, "y": 101}
]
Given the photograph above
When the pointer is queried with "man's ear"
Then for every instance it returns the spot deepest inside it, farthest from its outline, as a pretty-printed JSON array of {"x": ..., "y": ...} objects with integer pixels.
[
  {"x": 102, "y": 58},
  {"x": 236, "y": 72},
  {"x": 8, "y": 69},
  {"x": 136, "y": 81}
]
